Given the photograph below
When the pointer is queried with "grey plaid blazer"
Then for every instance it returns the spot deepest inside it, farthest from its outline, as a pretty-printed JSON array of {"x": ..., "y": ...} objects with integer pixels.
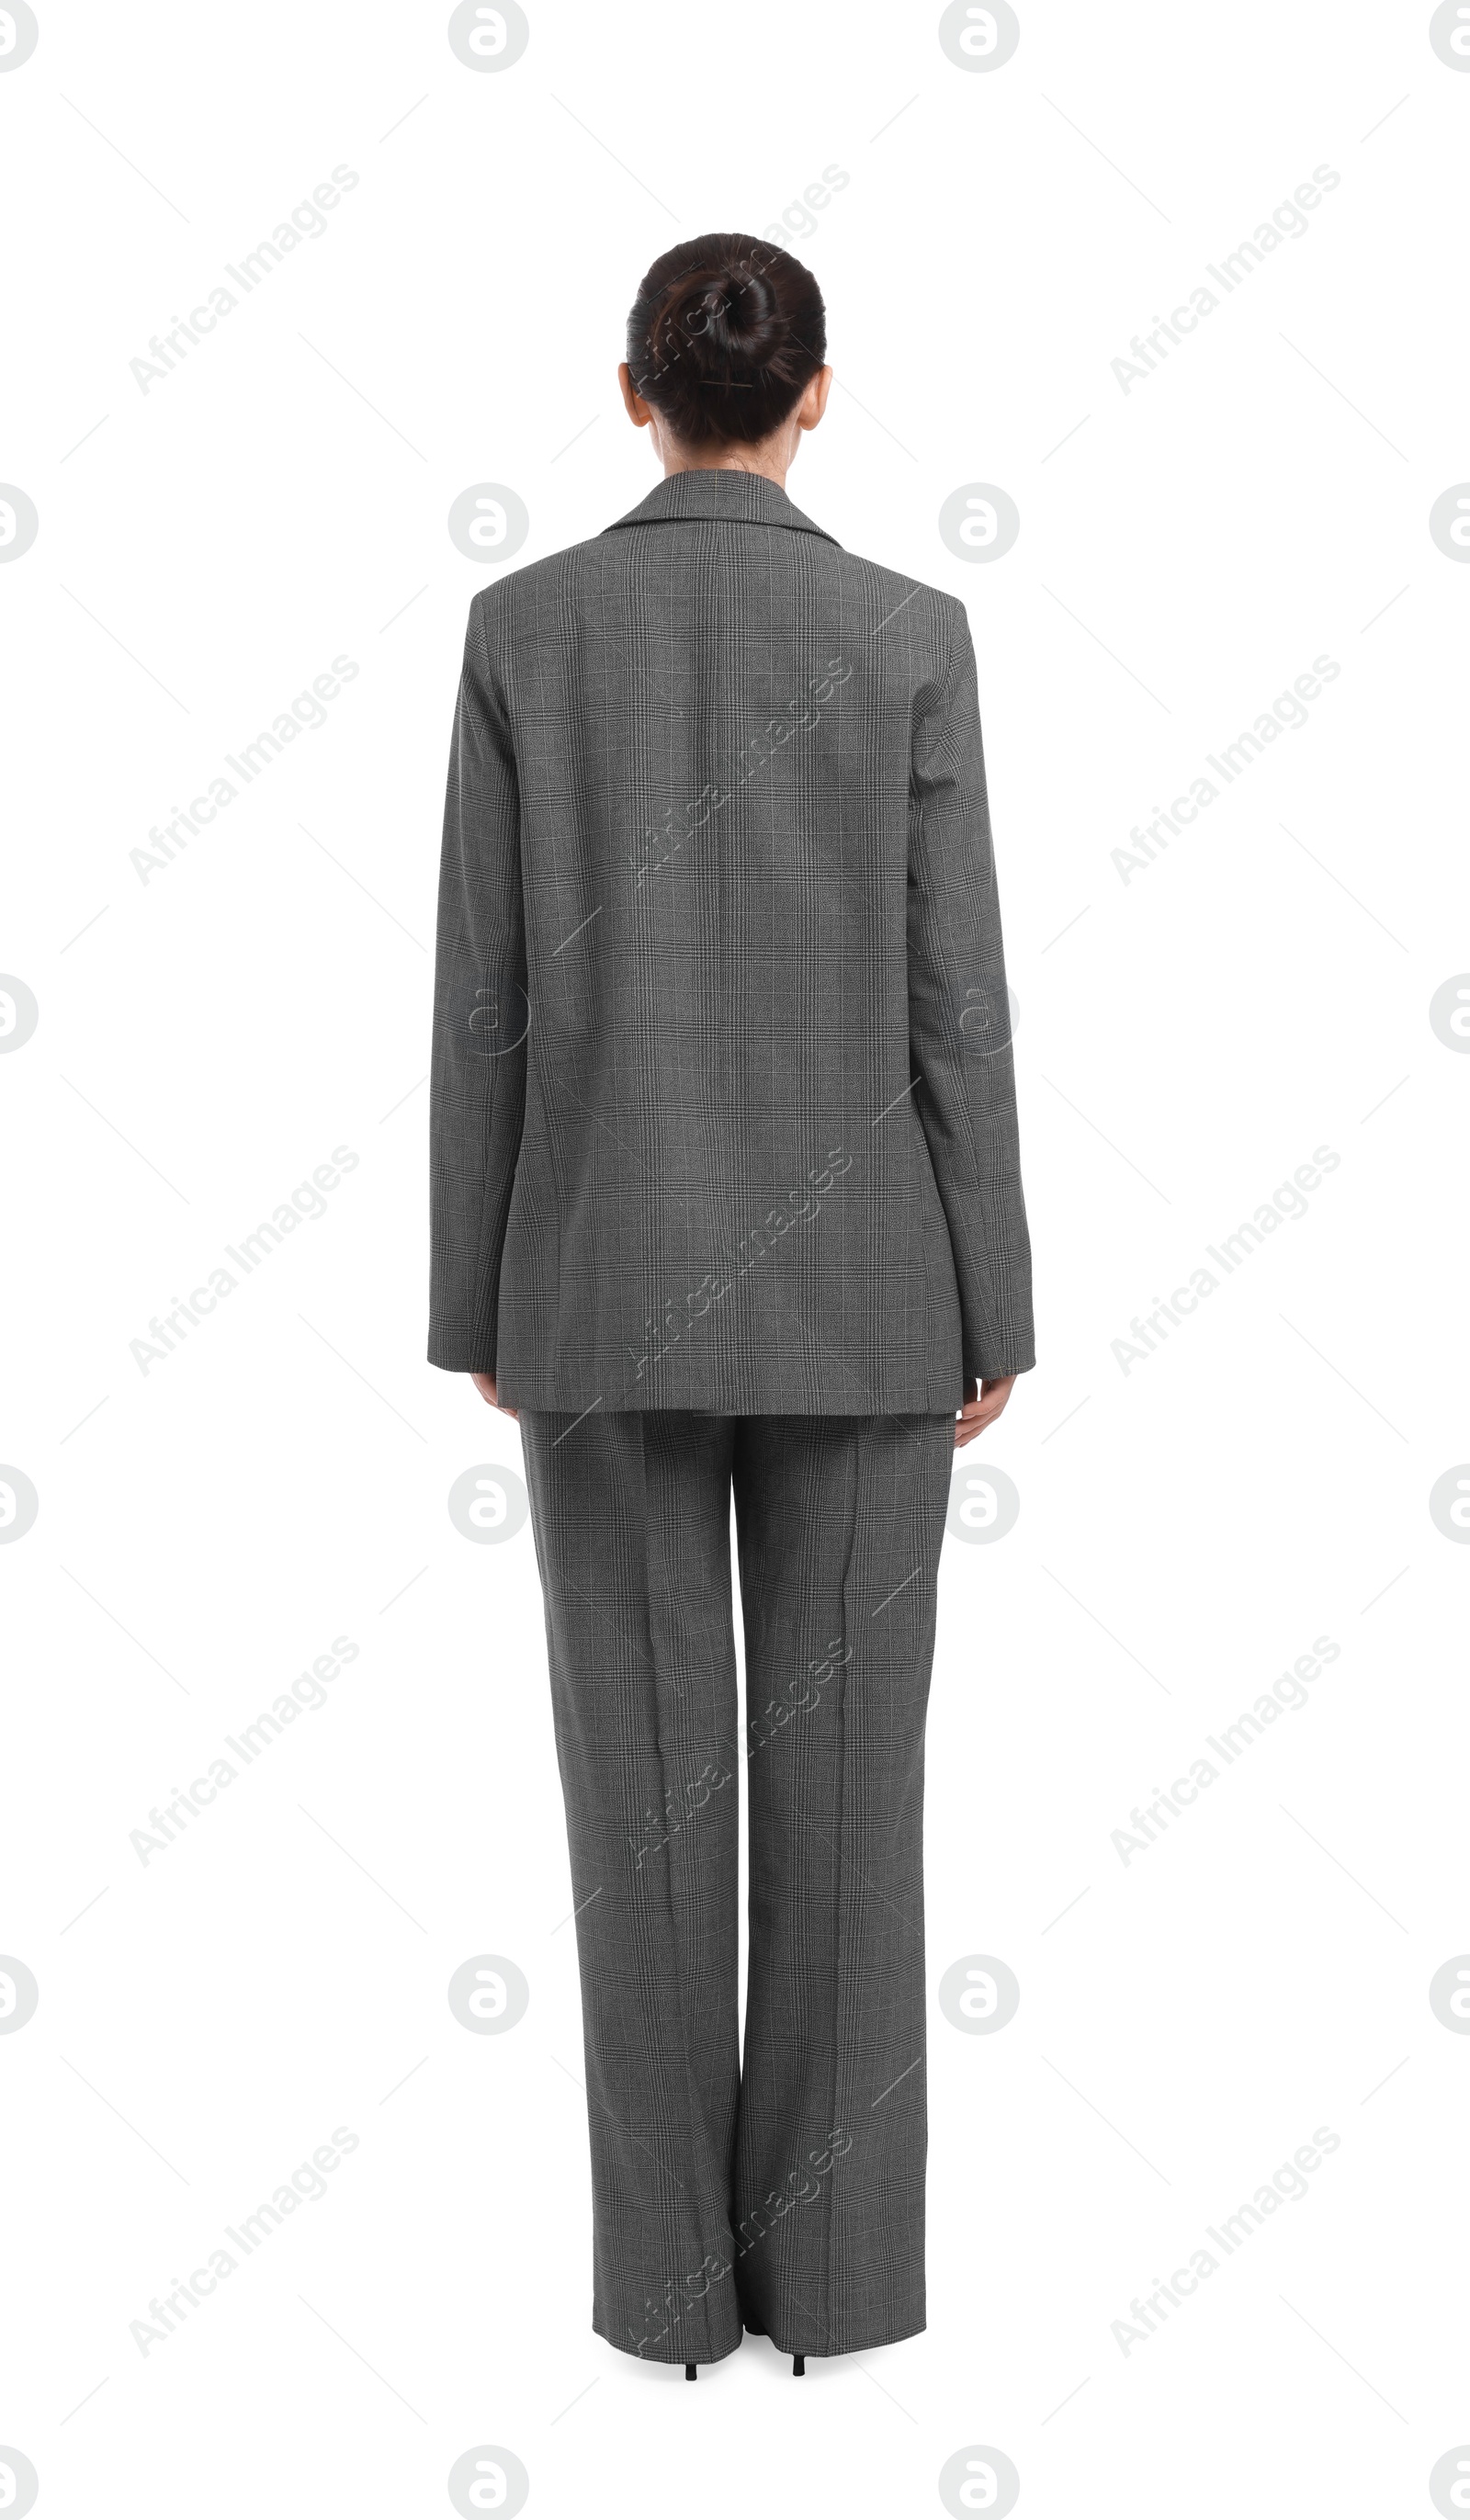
[{"x": 723, "y": 1107}]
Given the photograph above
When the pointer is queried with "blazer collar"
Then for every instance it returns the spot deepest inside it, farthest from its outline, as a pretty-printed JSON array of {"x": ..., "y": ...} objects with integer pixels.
[{"x": 746, "y": 497}]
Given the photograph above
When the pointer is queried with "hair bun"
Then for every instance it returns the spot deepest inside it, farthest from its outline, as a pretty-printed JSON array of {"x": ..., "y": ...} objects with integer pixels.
[{"x": 723, "y": 336}]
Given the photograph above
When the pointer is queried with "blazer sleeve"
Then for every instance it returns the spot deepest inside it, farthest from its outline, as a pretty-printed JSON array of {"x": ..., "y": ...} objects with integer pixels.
[
  {"x": 960, "y": 1020},
  {"x": 477, "y": 1066}
]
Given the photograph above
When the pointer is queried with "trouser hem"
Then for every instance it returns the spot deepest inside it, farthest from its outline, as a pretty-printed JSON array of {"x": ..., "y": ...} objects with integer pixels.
[
  {"x": 862, "y": 2343},
  {"x": 674, "y": 2357}
]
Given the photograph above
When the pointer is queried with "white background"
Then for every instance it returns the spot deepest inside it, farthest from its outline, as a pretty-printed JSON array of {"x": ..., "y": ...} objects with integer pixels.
[{"x": 1187, "y": 1038}]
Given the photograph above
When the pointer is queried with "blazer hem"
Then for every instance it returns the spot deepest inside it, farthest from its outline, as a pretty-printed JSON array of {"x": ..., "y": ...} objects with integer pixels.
[{"x": 778, "y": 1400}]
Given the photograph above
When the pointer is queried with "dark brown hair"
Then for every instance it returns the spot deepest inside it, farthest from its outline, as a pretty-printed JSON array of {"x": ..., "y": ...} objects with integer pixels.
[{"x": 723, "y": 336}]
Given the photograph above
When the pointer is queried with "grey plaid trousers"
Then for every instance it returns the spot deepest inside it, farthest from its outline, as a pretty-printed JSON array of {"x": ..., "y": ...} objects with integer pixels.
[{"x": 788, "y": 2198}]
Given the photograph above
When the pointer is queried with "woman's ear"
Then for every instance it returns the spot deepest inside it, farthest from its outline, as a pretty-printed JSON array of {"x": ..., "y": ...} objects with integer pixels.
[
  {"x": 638, "y": 411},
  {"x": 812, "y": 402}
]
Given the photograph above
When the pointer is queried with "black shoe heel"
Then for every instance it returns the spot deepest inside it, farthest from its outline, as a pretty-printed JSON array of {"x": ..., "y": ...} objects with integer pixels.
[
  {"x": 692, "y": 2371},
  {"x": 798, "y": 2366}
]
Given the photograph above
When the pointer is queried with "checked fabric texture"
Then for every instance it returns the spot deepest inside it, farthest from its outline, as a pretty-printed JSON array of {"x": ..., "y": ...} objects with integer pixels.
[
  {"x": 788, "y": 2199},
  {"x": 723, "y": 1105}
]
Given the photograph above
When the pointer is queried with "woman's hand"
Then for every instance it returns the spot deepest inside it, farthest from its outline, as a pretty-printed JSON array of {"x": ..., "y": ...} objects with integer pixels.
[
  {"x": 484, "y": 1385},
  {"x": 977, "y": 1414}
]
